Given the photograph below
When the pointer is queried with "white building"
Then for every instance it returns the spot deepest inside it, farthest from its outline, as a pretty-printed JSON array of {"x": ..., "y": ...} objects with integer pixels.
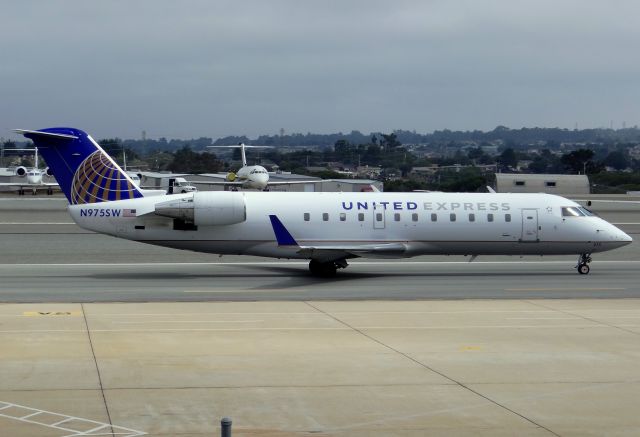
[{"x": 542, "y": 183}]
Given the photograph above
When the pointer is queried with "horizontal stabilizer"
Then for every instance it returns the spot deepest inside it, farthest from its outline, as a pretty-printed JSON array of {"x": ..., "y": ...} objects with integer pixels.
[{"x": 36, "y": 133}]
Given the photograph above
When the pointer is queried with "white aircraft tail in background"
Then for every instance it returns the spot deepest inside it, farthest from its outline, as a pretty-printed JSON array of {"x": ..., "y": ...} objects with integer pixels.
[
  {"x": 33, "y": 176},
  {"x": 252, "y": 177}
]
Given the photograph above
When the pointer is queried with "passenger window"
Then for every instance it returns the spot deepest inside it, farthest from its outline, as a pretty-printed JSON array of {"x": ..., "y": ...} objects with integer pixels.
[
  {"x": 378, "y": 216},
  {"x": 396, "y": 216},
  {"x": 325, "y": 216},
  {"x": 414, "y": 216},
  {"x": 307, "y": 216},
  {"x": 472, "y": 217},
  {"x": 361, "y": 216},
  {"x": 507, "y": 217},
  {"x": 343, "y": 216},
  {"x": 489, "y": 217},
  {"x": 434, "y": 217},
  {"x": 452, "y": 217}
]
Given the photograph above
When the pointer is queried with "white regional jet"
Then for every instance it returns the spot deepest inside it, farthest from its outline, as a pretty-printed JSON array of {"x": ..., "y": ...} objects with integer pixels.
[
  {"x": 252, "y": 177},
  {"x": 325, "y": 228},
  {"x": 33, "y": 177}
]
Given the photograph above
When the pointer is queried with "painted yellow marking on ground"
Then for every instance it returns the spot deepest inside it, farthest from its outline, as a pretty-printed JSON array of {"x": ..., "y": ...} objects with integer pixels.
[
  {"x": 51, "y": 313},
  {"x": 567, "y": 289},
  {"x": 470, "y": 348},
  {"x": 187, "y": 321}
]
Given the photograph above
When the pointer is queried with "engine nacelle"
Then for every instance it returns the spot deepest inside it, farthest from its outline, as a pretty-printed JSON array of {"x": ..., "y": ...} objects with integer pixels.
[
  {"x": 207, "y": 208},
  {"x": 21, "y": 171},
  {"x": 48, "y": 171}
]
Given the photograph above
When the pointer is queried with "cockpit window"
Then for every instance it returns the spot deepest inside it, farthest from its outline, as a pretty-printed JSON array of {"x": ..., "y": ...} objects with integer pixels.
[
  {"x": 572, "y": 211},
  {"x": 587, "y": 212}
]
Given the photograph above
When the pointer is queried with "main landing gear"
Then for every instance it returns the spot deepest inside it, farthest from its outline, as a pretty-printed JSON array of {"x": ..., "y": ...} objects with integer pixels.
[
  {"x": 583, "y": 263},
  {"x": 327, "y": 268}
]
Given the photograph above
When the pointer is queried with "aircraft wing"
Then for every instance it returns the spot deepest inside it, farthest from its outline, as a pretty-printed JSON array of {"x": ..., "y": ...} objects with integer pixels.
[
  {"x": 218, "y": 182},
  {"x": 332, "y": 252},
  {"x": 270, "y": 183},
  {"x": 27, "y": 185}
]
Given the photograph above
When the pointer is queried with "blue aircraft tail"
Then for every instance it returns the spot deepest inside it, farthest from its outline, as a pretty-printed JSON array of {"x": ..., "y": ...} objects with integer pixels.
[{"x": 84, "y": 171}]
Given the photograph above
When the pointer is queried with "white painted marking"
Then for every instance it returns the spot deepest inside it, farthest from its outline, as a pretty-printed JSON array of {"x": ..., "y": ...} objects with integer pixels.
[
  {"x": 262, "y": 290},
  {"x": 37, "y": 223},
  {"x": 78, "y": 422},
  {"x": 567, "y": 289},
  {"x": 285, "y": 329},
  {"x": 543, "y": 318}
]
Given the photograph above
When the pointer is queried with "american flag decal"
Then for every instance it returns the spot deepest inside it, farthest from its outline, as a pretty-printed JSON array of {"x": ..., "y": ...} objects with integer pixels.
[{"x": 128, "y": 212}]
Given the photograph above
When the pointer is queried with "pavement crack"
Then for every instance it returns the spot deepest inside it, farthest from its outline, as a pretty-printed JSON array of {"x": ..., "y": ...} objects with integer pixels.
[
  {"x": 95, "y": 361},
  {"x": 426, "y": 366},
  {"x": 580, "y": 316}
]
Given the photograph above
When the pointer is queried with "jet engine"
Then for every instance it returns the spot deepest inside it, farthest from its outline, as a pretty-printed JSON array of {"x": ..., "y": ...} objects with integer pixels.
[
  {"x": 231, "y": 176},
  {"x": 48, "y": 171},
  {"x": 21, "y": 171},
  {"x": 206, "y": 208}
]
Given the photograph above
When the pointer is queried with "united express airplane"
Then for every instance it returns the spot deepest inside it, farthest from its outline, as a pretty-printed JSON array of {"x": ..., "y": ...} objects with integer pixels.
[{"x": 325, "y": 228}]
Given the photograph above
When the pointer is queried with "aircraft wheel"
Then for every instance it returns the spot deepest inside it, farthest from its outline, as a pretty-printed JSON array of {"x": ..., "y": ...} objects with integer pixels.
[
  {"x": 20, "y": 192},
  {"x": 583, "y": 269},
  {"x": 49, "y": 192},
  {"x": 318, "y": 268}
]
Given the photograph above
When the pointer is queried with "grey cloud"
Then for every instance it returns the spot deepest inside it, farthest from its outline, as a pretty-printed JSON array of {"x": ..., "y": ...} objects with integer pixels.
[{"x": 249, "y": 67}]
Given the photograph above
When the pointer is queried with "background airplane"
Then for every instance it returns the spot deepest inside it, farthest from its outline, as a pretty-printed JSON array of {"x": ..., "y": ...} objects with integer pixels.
[
  {"x": 253, "y": 177},
  {"x": 33, "y": 177}
]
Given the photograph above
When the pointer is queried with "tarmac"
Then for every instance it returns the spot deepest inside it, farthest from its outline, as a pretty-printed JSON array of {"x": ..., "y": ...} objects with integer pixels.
[{"x": 100, "y": 336}]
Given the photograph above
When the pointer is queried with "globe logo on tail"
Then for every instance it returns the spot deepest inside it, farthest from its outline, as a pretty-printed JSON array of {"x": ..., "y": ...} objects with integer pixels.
[{"x": 99, "y": 179}]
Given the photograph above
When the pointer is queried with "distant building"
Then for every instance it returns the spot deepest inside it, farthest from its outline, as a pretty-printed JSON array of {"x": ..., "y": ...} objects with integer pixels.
[{"x": 542, "y": 183}]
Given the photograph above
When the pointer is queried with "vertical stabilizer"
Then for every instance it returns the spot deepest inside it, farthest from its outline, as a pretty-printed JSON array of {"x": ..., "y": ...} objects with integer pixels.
[{"x": 84, "y": 171}]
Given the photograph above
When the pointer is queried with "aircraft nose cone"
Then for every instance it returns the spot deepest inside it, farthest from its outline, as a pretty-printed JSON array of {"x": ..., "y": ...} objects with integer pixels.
[{"x": 625, "y": 238}]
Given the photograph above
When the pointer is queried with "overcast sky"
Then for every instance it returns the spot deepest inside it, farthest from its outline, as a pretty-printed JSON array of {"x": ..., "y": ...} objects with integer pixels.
[{"x": 184, "y": 69}]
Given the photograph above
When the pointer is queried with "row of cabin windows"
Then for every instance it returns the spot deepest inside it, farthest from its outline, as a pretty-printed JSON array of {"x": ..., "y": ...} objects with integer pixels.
[{"x": 396, "y": 217}]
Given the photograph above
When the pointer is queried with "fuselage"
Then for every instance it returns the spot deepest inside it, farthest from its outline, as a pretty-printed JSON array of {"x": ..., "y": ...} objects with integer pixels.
[
  {"x": 34, "y": 177},
  {"x": 253, "y": 177},
  {"x": 423, "y": 223}
]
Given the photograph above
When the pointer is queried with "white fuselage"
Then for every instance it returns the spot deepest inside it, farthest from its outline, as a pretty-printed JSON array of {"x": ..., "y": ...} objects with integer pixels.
[
  {"x": 253, "y": 177},
  {"x": 424, "y": 223},
  {"x": 34, "y": 177}
]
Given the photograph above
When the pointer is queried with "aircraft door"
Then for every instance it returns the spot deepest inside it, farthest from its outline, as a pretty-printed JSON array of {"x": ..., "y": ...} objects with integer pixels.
[
  {"x": 379, "y": 217},
  {"x": 529, "y": 225}
]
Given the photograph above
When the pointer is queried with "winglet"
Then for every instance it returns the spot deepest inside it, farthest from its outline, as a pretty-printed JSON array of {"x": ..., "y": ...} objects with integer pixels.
[{"x": 282, "y": 235}]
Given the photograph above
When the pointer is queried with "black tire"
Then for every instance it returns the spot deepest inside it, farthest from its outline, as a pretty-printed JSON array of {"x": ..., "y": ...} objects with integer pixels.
[
  {"x": 321, "y": 269},
  {"x": 583, "y": 269}
]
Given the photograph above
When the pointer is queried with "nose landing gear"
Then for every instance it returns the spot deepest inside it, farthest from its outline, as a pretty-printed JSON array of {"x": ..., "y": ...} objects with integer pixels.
[{"x": 583, "y": 263}]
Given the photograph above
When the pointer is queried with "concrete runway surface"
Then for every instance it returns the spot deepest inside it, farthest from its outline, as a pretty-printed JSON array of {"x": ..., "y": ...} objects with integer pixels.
[
  {"x": 100, "y": 336},
  {"x": 45, "y": 257}
]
